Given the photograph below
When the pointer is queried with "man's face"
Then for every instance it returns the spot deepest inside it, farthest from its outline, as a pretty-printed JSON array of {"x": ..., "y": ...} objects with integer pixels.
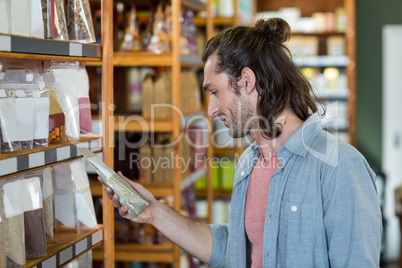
[{"x": 236, "y": 111}]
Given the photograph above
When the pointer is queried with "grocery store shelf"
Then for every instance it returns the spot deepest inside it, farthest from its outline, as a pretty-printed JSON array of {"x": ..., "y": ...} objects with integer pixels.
[
  {"x": 322, "y": 61},
  {"x": 13, "y": 46},
  {"x": 228, "y": 150},
  {"x": 127, "y": 59},
  {"x": 139, "y": 252},
  {"x": 19, "y": 161},
  {"x": 218, "y": 21},
  {"x": 66, "y": 246}
]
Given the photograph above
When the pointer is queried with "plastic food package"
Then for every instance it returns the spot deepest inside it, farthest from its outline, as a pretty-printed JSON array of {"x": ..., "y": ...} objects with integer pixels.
[
  {"x": 36, "y": 25},
  {"x": 24, "y": 109},
  {"x": 132, "y": 38},
  {"x": 41, "y": 112},
  {"x": 127, "y": 195},
  {"x": 65, "y": 84},
  {"x": 79, "y": 21},
  {"x": 8, "y": 119},
  {"x": 159, "y": 42},
  {"x": 64, "y": 201},
  {"x": 20, "y": 17},
  {"x": 83, "y": 261},
  {"x": 12, "y": 225},
  {"x": 84, "y": 205},
  {"x": 57, "y": 124},
  {"x": 4, "y": 16},
  {"x": 55, "y": 26},
  {"x": 35, "y": 236},
  {"x": 47, "y": 192},
  {"x": 83, "y": 100}
]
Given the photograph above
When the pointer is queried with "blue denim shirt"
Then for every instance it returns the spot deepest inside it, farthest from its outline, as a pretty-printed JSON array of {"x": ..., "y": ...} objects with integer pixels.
[{"x": 322, "y": 208}]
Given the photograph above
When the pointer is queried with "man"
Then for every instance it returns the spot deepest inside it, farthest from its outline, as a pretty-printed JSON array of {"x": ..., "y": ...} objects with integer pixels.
[{"x": 301, "y": 198}]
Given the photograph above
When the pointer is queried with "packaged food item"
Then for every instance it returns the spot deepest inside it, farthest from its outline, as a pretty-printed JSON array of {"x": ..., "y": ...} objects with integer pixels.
[
  {"x": 188, "y": 39},
  {"x": 65, "y": 84},
  {"x": 36, "y": 25},
  {"x": 83, "y": 261},
  {"x": 159, "y": 42},
  {"x": 64, "y": 201},
  {"x": 83, "y": 100},
  {"x": 35, "y": 236},
  {"x": 84, "y": 205},
  {"x": 54, "y": 20},
  {"x": 8, "y": 118},
  {"x": 24, "y": 109},
  {"x": 79, "y": 21},
  {"x": 12, "y": 225},
  {"x": 20, "y": 17},
  {"x": 41, "y": 111},
  {"x": 4, "y": 17},
  {"x": 132, "y": 38},
  {"x": 127, "y": 195},
  {"x": 57, "y": 124},
  {"x": 47, "y": 192}
]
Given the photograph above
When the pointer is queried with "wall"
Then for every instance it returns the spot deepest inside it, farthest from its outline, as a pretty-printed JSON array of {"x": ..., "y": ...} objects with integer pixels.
[{"x": 371, "y": 16}]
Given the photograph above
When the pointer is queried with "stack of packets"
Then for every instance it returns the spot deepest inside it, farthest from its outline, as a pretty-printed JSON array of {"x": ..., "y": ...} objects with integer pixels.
[{"x": 127, "y": 195}]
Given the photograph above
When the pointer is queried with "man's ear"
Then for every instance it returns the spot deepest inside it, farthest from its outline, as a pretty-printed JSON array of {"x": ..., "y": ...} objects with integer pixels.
[{"x": 248, "y": 77}]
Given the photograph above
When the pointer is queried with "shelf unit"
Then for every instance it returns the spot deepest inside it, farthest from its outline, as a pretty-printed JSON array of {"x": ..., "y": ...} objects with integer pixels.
[
  {"x": 126, "y": 122},
  {"x": 66, "y": 245}
]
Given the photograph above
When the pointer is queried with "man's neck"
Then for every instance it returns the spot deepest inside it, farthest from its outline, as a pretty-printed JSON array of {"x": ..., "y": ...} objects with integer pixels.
[{"x": 269, "y": 147}]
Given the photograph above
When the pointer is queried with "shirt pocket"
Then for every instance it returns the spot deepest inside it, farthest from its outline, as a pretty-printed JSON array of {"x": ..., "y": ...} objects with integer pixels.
[{"x": 296, "y": 234}]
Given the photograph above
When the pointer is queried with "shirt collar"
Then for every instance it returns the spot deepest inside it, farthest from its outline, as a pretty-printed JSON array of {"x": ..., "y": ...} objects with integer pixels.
[{"x": 300, "y": 141}]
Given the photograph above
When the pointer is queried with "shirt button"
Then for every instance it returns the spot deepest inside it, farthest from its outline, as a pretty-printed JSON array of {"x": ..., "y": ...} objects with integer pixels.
[
  {"x": 294, "y": 208},
  {"x": 268, "y": 254},
  {"x": 242, "y": 173}
]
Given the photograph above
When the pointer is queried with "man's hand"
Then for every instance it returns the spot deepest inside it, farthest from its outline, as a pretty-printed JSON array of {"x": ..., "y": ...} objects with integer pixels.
[{"x": 145, "y": 216}]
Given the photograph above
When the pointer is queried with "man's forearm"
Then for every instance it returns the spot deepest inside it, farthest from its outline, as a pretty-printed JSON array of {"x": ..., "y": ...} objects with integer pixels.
[{"x": 194, "y": 237}]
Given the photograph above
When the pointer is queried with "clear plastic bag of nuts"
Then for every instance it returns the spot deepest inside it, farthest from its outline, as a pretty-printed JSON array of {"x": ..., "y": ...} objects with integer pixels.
[
  {"x": 79, "y": 21},
  {"x": 54, "y": 20}
]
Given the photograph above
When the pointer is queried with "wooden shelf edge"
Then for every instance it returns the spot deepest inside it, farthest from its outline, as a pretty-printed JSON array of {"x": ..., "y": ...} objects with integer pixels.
[
  {"x": 136, "y": 252},
  {"x": 68, "y": 245},
  {"x": 13, "y": 163},
  {"x": 143, "y": 58},
  {"x": 217, "y": 21}
]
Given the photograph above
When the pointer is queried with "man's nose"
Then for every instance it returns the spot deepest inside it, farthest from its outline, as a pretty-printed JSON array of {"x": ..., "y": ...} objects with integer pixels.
[{"x": 212, "y": 106}]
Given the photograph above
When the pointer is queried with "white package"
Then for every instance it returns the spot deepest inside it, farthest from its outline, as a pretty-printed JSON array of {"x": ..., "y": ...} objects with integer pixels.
[
  {"x": 64, "y": 204},
  {"x": 20, "y": 17},
  {"x": 84, "y": 205},
  {"x": 4, "y": 17},
  {"x": 41, "y": 116},
  {"x": 37, "y": 28},
  {"x": 65, "y": 85},
  {"x": 24, "y": 111}
]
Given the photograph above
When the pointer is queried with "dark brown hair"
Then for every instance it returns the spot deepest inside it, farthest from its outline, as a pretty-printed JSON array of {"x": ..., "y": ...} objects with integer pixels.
[{"x": 279, "y": 82}]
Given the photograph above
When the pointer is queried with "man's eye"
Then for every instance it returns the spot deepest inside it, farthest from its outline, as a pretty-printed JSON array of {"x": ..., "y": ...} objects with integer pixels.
[{"x": 213, "y": 93}]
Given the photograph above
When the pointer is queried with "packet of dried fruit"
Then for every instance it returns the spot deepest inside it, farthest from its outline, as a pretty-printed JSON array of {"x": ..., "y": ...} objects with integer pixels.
[{"x": 127, "y": 195}]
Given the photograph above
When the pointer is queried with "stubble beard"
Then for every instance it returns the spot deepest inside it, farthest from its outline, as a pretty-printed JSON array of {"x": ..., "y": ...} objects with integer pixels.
[{"x": 242, "y": 118}]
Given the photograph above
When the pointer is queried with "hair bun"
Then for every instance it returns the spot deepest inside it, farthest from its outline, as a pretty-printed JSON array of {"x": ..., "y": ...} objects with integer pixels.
[{"x": 275, "y": 27}]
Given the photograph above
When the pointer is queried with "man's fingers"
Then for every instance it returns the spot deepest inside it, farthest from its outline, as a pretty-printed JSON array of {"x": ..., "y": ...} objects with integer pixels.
[{"x": 115, "y": 201}]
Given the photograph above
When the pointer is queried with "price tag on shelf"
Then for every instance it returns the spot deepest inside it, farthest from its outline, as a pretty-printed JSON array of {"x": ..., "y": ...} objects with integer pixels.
[
  {"x": 5, "y": 43},
  {"x": 75, "y": 50}
]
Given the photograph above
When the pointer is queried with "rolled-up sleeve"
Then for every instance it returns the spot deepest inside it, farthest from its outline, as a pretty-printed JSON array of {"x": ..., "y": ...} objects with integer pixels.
[
  {"x": 352, "y": 215},
  {"x": 220, "y": 234}
]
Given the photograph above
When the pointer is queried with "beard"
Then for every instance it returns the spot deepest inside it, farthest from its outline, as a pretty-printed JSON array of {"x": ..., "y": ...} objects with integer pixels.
[{"x": 242, "y": 120}]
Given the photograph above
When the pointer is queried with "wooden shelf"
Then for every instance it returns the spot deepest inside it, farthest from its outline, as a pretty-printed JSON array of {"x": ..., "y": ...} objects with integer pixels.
[
  {"x": 128, "y": 59},
  {"x": 13, "y": 46},
  {"x": 218, "y": 21},
  {"x": 136, "y": 123},
  {"x": 139, "y": 252},
  {"x": 66, "y": 246},
  {"x": 217, "y": 193},
  {"x": 322, "y": 61},
  {"x": 228, "y": 150},
  {"x": 19, "y": 161},
  {"x": 318, "y": 33}
]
